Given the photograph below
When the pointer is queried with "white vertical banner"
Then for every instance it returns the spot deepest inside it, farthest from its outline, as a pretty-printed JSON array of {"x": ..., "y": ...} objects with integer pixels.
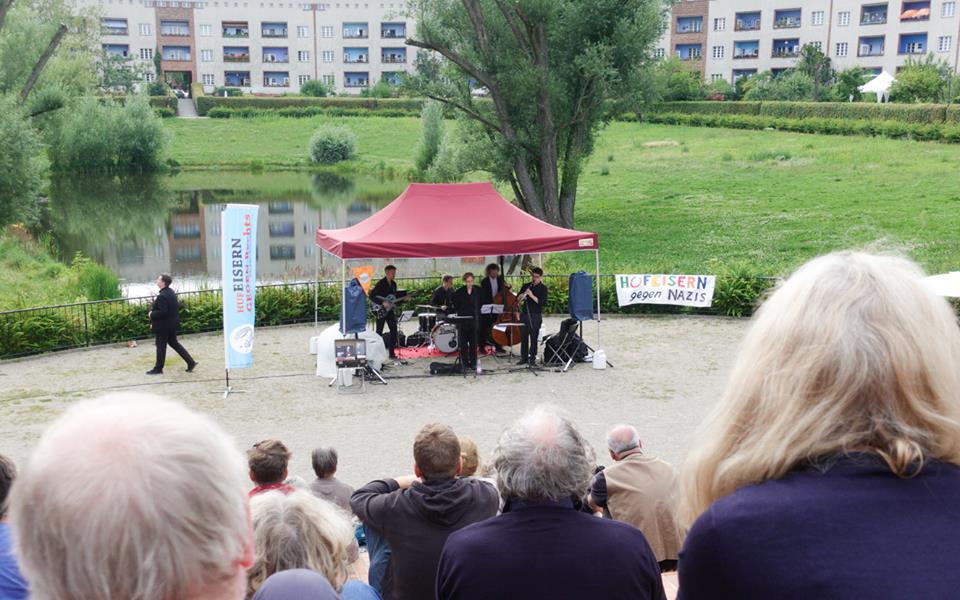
[{"x": 238, "y": 229}]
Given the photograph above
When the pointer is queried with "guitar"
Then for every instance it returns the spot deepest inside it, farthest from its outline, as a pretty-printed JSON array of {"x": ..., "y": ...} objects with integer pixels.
[{"x": 383, "y": 305}]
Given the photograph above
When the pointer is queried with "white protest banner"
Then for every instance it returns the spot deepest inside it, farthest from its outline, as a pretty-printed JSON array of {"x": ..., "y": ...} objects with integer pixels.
[
  {"x": 680, "y": 290},
  {"x": 238, "y": 225}
]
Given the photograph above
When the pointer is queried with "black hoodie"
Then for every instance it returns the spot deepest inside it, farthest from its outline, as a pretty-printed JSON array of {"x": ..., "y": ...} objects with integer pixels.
[{"x": 416, "y": 521}]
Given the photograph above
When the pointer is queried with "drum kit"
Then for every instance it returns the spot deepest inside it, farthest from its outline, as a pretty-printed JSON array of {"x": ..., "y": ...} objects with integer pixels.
[{"x": 435, "y": 331}]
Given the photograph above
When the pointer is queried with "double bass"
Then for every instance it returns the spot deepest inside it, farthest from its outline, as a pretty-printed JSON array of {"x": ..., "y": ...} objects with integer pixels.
[{"x": 510, "y": 314}]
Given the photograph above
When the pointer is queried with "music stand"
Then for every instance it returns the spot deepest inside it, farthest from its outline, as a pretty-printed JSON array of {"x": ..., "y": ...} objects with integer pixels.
[{"x": 459, "y": 321}]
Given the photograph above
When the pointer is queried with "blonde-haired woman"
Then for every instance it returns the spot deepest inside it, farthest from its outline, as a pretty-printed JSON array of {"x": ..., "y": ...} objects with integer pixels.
[
  {"x": 829, "y": 467},
  {"x": 300, "y": 531}
]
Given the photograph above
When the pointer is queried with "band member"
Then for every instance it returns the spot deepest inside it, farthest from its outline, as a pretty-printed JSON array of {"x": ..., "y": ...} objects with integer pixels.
[
  {"x": 534, "y": 297},
  {"x": 442, "y": 297},
  {"x": 466, "y": 302},
  {"x": 384, "y": 295},
  {"x": 491, "y": 285},
  {"x": 164, "y": 318}
]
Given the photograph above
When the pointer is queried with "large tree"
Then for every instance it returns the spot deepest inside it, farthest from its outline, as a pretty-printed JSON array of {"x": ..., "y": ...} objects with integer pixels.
[{"x": 549, "y": 74}]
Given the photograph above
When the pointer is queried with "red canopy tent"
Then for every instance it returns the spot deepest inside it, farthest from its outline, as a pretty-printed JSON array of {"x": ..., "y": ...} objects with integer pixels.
[{"x": 452, "y": 220}]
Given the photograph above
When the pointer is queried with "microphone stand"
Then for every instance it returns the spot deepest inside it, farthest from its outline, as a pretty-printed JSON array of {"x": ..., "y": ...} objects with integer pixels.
[{"x": 527, "y": 367}]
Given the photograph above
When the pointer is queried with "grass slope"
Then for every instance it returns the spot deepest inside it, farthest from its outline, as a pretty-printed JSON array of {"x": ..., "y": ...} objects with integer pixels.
[
  {"x": 685, "y": 198},
  {"x": 29, "y": 276}
]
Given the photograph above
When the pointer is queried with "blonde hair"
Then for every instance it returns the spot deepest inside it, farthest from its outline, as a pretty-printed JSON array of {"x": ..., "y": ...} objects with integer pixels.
[
  {"x": 298, "y": 531},
  {"x": 469, "y": 457},
  {"x": 851, "y": 353}
]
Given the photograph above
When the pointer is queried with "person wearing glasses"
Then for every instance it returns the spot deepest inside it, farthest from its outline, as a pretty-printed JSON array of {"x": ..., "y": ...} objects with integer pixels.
[{"x": 534, "y": 297}]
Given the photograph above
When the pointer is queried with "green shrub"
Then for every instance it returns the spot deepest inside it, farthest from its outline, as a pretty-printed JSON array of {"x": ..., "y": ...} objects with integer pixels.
[
  {"x": 157, "y": 88},
  {"x": 431, "y": 135},
  {"x": 34, "y": 331},
  {"x": 231, "y": 92},
  {"x": 910, "y": 113},
  {"x": 331, "y": 144},
  {"x": 118, "y": 323},
  {"x": 165, "y": 113},
  {"x": 205, "y": 103},
  {"x": 314, "y": 88}
]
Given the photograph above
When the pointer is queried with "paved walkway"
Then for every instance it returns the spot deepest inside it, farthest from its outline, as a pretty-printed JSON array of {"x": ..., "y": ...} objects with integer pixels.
[{"x": 186, "y": 109}]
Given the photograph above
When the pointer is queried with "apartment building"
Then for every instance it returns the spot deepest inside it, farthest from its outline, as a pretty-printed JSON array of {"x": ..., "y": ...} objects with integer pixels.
[
  {"x": 728, "y": 39},
  {"x": 262, "y": 47}
]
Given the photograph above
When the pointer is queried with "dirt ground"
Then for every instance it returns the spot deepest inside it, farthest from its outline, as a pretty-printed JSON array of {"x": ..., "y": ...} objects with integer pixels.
[{"x": 668, "y": 372}]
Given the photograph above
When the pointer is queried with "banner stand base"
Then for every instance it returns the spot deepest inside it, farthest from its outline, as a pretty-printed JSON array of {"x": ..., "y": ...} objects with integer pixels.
[{"x": 227, "y": 390}]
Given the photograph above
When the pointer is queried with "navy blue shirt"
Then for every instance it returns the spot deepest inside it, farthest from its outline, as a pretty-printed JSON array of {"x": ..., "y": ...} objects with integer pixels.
[
  {"x": 845, "y": 528},
  {"x": 548, "y": 551},
  {"x": 12, "y": 584}
]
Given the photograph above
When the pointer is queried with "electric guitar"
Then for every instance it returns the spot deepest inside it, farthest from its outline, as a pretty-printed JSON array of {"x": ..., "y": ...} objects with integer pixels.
[{"x": 383, "y": 305}]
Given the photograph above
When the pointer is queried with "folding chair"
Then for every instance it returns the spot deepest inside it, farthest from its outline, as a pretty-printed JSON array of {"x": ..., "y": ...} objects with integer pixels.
[{"x": 565, "y": 349}]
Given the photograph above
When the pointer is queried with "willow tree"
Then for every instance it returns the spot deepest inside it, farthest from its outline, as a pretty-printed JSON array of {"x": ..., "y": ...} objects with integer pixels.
[{"x": 536, "y": 79}]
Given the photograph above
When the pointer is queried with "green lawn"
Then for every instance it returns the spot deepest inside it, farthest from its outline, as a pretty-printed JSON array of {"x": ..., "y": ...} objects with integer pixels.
[
  {"x": 29, "y": 276},
  {"x": 689, "y": 199}
]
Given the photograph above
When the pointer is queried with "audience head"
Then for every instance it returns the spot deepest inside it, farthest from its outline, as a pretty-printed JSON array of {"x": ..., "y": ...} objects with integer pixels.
[
  {"x": 436, "y": 453},
  {"x": 8, "y": 472},
  {"x": 131, "y": 496},
  {"x": 296, "y": 584},
  {"x": 298, "y": 531},
  {"x": 543, "y": 458},
  {"x": 851, "y": 354},
  {"x": 621, "y": 439},
  {"x": 469, "y": 457},
  {"x": 324, "y": 462},
  {"x": 268, "y": 462}
]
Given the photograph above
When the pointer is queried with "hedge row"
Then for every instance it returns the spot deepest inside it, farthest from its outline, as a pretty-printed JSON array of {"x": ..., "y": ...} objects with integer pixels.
[
  {"x": 861, "y": 111},
  {"x": 946, "y": 133},
  {"x": 155, "y": 101},
  {"x": 220, "y": 112},
  {"x": 205, "y": 103},
  {"x": 56, "y": 328}
]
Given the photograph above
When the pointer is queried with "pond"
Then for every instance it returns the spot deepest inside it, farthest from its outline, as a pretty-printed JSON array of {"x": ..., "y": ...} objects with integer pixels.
[{"x": 141, "y": 226}]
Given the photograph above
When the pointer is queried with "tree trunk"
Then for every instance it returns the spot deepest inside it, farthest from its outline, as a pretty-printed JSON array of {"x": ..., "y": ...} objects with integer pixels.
[
  {"x": 42, "y": 62},
  {"x": 4, "y": 7}
]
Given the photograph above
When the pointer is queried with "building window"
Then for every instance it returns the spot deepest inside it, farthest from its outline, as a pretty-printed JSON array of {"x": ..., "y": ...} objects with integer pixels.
[
  {"x": 786, "y": 19},
  {"x": 816, "y": 17},
  {"x": 716, "y": 76},
  {"x": 144, "y": 28},
  {"x": 720, "y": 24},
  {"x": 948, "y": 9},
  {"x": 875, "y": 14},
  {"x": 747, "y": 21},
  {"x": 276, "y": 79},
  {"x": 303, "y": 56},
  {"x": 327, "y": 56},
  {"x": 149, "y": 77},
  {"x": 146, "y": 53},
  {"x": 689, "y": 24},
  {"x": 688, "y": 51},
  {"x": 659, "y": 53},
  {"x": 303, "y": 31},
  {"x": 912, "y": 43},
  {"x": 208, "y": 79},
  {"x": 302, "y": 79},
  {"x": 326, "y": 31},
  {"x": 206, "y": 55},
  {"x": 817, "y": 45},
  {"x": 356, "y": 30},
  {"x": 915, "y": 11},
  {"x": 327, "y": 79},
  {"x": 206, "y": 30},
  {"x": 843, "y": 18},
  {"x": 718, "y": 51},
  {"x": 944, "y": 43},
  {"x": 842, "y": 48}
]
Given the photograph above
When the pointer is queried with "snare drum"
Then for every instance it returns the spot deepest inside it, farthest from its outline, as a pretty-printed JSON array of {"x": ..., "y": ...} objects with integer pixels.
[
  {"x": 444, "y": 337},
  {"x": 427, "y": 322}
]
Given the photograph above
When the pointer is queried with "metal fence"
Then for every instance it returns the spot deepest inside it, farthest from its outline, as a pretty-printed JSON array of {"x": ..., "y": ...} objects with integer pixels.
[{"x": 28, "y": 331}]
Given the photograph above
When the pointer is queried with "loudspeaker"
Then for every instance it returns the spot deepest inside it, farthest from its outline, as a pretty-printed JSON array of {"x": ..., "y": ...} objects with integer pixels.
[
  {"x": 353, "y": 319},
  {"x": 581, "y": 296}
]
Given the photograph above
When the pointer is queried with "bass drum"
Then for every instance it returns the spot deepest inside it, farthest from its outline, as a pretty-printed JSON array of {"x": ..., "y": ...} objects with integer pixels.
[{"x": 444, "y": 338}]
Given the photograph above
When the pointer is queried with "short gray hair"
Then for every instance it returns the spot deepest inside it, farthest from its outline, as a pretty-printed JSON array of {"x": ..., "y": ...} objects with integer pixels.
[
  {"x": 622, "y": 438},
  {"x": 132, "y": 496},
  {"x": 542, "y": 457},
  {"x": 324, "y": 462}
]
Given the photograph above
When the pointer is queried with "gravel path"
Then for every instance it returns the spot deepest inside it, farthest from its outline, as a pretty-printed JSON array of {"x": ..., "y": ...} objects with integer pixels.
[{"x": 668, "y": 372}]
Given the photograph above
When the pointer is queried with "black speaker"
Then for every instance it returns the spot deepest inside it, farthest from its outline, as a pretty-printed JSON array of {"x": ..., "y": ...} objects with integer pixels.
[
  {"x": 581, "y": 296},
  {"x": 353, "y": 319}
]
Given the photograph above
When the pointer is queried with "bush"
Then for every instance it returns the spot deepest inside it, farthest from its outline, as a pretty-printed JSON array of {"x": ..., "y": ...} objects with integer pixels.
[
  {"x": 431, "y": 134},
  {"x": 21, "y": 173},
  {"x": 205, "y": 103},
  {"x": 910, "y": 113},
  {"x": 381, "y": 89},
  {"x": 331, "y": 144},
  {"x": 314, "y": 88},
  {"x": 94, "y": 281},
  {"x": 793, "y": 85},
  {"x": 165, "y": 113},
  {"x": 231, "y": 92},
  {"x": 34, "y": 331}
]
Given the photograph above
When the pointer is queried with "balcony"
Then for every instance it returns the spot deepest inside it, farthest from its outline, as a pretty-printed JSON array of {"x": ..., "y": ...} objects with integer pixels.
[
  {"x": 786, "y": 19},
  {"x": 392, "y": 77},
  {"x": 915, "y": 11},
  {"x": 176, "y": 53},
  {"x": 689, "y": 24},
  {"x": 273, "y": 30},
  {"x": 236, "y": 78},
  {"x": 749, "y": 49},
  {"x": 276, "y": 79},
  {"x": 741, "y": 73},
  {"x": 114, "y": 27},
  {"x": 356, "y": 55},
  {"x": 236, "y": 29},
  {"x": 874, "y": 15},
  {"x": 276, "y": 55},
  {"x": 871, "y": 46},
  {"x": 789, "y": 48},
  {"x": 116, "y": 50},
  {"x": 747, "y": 22},
  {"x": 393, "y": 30},
  {"x": 689, "y": 51},
  {"x": 236, "y": 54},
  {"x": 356, "y": 31},
  {"x": 356, "y": 80},
  {"x": 175, "y": 28},
  {"x": 393, "y": 56},
  {"x": 912, "y": 44}
]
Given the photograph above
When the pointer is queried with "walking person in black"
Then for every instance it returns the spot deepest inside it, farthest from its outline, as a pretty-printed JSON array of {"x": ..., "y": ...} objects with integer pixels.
[
  {"x": 534, "y": 296},
  {"x": 384, "y": 295},
  {"x": 164, "y": 321},
  {"x": 466, "y": 303}
]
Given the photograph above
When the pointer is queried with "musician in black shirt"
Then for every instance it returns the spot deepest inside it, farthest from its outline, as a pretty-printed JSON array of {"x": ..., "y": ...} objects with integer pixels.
[
  {"x": 491, "y": 286},
  {"x": 384, "y": 296},
  {"x": 467, "y": 302},
  {"x": 534, "y": 297},
  {"x": 442, "y": 298}
]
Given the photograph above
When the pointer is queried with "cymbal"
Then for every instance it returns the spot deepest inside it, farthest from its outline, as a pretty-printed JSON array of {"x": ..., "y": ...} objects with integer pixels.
[{"x": 427, "y": 306}]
